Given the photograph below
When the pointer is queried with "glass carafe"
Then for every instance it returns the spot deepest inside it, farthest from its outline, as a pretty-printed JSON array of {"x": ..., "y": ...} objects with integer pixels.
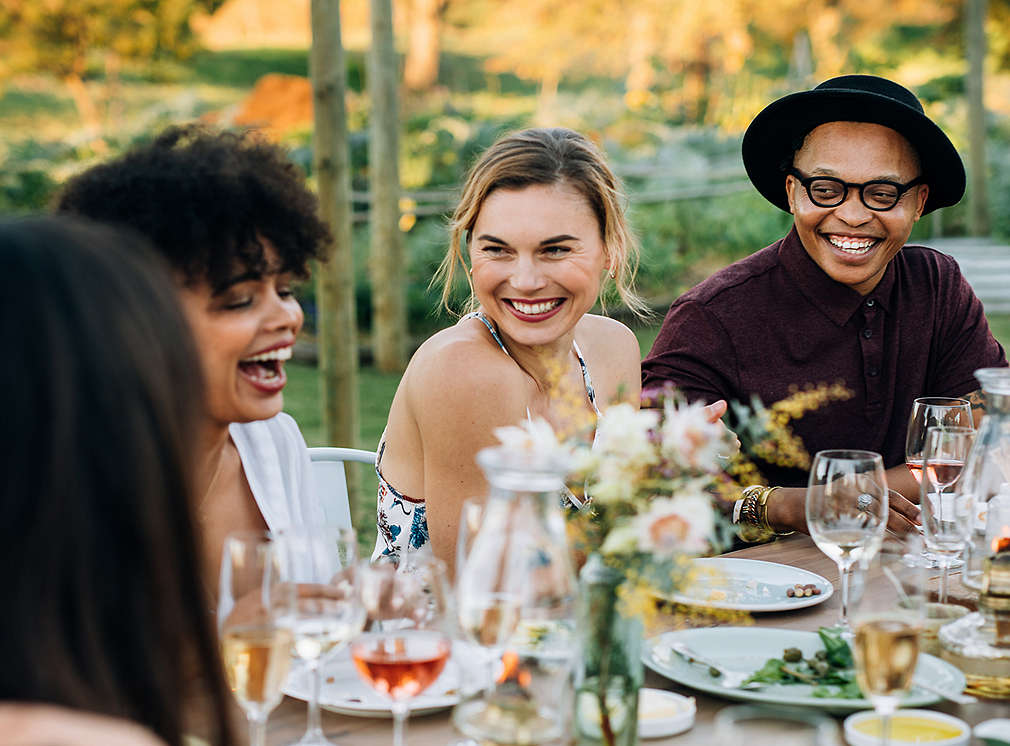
[
  {"x": 517, "y": 599},
  {"x": 986, "y": 475}
]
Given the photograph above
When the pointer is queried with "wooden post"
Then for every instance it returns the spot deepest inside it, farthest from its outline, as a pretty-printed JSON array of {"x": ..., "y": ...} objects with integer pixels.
[
  {"x": 975, "y": 49},
  {"x": 388, "y": 257},
  {"x": 337, "y": 327}
]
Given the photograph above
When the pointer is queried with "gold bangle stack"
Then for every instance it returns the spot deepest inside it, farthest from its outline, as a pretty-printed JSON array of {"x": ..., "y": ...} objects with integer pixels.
[{"x": 751, "y": 514}]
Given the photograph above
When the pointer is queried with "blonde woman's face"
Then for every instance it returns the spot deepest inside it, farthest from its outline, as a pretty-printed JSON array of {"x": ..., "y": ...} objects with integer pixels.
[{"x": 538, "y": 261}]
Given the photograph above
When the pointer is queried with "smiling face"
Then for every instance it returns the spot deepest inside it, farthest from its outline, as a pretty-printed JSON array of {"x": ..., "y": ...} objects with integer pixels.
[
  {"x": 850, "y": 242},
  {"x": 244, "y": 333},
  {"x": 538, "y": 261}
]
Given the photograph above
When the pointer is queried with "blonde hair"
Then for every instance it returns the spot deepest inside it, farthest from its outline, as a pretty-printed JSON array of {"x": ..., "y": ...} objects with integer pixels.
[{"x": 546, "y": 156}]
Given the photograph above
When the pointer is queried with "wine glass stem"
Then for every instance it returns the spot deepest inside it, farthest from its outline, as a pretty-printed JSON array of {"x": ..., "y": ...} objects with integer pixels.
[
  {"x": 885, "y": 728},
  {"x": 314, "y": 729},
  {"x": 400, "y": 711},
  {"x": 944, "y": 579},
  {"x": 845, "y": 571},
  {"x": 257, "y": 730}
]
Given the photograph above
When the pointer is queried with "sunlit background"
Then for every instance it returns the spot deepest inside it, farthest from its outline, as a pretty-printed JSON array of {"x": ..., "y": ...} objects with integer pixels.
[{"x": 665, "y": 86}]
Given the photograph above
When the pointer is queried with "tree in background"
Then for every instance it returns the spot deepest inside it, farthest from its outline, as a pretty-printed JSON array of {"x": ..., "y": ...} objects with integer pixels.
[
  {"x": 338, "y": 335},
  {"x": 387, "y": 262},
  {"x": 59, "y": 36},
  {"x": 706, "y": 63},
  {"x": 420, "y": 67}
]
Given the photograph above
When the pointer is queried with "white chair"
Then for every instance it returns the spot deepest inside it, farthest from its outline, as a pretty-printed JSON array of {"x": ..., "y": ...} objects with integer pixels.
[{"x": 330, "y": 480}]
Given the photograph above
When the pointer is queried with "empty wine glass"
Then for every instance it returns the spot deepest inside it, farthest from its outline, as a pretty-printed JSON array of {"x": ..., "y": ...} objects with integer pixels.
[
  {"x": 253, "y": 616},
  {"x": 319, "y": 563},
  {"x": 888, "y": 621},
  {"x": 946, "y": 516},
  {"x": 846, "y": 510},
  {"x": 408, "y": 644}
]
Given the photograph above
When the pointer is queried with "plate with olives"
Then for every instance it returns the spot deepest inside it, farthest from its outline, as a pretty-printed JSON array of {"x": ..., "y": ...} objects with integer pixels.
[{"x": 751, "y": 585}]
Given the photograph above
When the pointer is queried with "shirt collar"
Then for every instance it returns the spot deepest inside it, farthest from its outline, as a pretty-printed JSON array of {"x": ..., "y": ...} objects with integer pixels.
[{"x": 835, "y": 300}]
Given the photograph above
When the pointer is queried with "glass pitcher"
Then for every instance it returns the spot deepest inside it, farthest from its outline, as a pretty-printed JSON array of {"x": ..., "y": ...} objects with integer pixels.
[
  {"x": 986, "y": 475},
  {"x": 517, "y": 599}
]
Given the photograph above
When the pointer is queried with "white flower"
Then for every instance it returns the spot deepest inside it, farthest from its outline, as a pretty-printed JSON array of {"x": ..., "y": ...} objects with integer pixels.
[
  {"x": 534, "y": 435},
  {"x": 682, "y": 524},
  {"x": 624, "y": 432},
  {"x": 689, "y": 439}
]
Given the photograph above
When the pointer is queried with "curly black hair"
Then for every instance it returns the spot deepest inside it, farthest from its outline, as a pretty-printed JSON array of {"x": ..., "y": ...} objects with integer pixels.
[{"x": 206, "y": 198}]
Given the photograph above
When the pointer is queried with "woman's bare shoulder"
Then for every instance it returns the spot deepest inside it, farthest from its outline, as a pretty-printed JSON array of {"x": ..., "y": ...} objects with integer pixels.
[
  {"x": 457, "y": 372},
  {"x": 601, "y": 332},
  {"x": 613, "y": 355},
  {"x": 30, "y": 724}
]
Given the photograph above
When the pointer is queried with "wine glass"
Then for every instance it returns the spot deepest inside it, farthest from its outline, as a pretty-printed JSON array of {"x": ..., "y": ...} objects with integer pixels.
[
  {"x": 253, "y": 617},
  {"x": 407, "y": 646},
  {"x": 846, "y": 510},
  {"x": 487, "y": 596},
  {"x": 319, "y": 563},
  {"x": 888, "y": 620},
  {"x": 946, "y": 516},
  {"x": 927, "y": 412}
]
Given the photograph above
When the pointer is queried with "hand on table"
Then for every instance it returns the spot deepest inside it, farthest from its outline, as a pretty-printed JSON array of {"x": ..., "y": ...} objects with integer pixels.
[{"x": 787, "y": 511}]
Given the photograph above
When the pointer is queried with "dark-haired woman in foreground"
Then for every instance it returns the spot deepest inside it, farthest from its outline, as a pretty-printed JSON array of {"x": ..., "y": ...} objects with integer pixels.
[
  {"x": 102, "y": 609},
  {"x": 232, "y": 216}
]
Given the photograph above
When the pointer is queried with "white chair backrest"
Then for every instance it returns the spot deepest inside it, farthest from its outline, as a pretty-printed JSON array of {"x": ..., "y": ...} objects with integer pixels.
[{"x": 330, "y": 480}]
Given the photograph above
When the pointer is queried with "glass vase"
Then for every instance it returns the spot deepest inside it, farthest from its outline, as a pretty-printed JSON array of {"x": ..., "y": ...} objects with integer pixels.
[
  {"x": 517, "y": 598},
  {"x": 610, "y": 675},
  {"x": 986, "y": 474}
]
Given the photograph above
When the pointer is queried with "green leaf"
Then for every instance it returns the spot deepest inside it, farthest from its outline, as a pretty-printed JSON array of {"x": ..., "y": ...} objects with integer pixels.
[{"x": 839, "y": 654}]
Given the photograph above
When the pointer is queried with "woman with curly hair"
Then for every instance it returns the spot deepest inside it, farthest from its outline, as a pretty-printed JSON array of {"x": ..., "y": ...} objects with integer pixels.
[{"x": 236, "y": 223}]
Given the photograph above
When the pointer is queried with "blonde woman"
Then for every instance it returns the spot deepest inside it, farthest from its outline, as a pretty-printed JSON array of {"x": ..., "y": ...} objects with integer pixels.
[{"x": 539, "y": 233}]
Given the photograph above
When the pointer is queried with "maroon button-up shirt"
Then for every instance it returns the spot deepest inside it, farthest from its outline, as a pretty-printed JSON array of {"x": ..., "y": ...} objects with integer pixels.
[{"x": 775, "y": 320}]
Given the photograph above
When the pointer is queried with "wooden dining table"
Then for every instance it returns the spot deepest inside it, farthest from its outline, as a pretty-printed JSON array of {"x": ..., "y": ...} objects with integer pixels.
[{"x": 287, "y": 722}]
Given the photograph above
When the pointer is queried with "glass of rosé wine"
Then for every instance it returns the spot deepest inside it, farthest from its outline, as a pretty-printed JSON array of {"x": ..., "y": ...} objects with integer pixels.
[
  {"x": 406, "y": 645},
  {"x": 927, "y": 412}
]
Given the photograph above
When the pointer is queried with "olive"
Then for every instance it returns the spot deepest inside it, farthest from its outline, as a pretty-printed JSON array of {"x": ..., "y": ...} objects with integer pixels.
[
  {"x": 821, "y": 655},
  {"x": 714, "y": 672},
  {"x": 792, "y": 655}
]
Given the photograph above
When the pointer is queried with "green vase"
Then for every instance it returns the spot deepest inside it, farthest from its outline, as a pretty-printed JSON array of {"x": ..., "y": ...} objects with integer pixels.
[{"x": 610, "y": 673}]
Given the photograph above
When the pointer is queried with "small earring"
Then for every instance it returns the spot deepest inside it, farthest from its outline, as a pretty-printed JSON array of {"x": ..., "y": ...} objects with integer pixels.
[
  {"x": 470, "y": 272},
  {"x": 613, "y": 275}
]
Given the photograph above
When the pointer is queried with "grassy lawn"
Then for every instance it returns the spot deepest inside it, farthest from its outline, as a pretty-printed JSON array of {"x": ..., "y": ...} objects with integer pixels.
[{"x": 375, "y": 393}]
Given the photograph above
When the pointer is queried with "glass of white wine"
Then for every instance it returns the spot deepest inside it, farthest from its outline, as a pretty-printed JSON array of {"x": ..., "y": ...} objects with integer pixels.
[
  {"x": 888, "y": 620},
  {"x": 254, "y": 626},
  {"x": 846, "y": 510},
  {"x": 319, "y": 563}
]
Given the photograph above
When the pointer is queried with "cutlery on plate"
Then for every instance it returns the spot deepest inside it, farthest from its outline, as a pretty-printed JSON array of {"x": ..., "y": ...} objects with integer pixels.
[
  {"x": 961, "y": 699},
  {"x": 730, "y": 679}
]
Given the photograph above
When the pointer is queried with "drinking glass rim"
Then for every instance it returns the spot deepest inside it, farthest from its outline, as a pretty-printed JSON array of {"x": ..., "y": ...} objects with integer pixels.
[
  {"x": 849, "y": 454},
  {"x": 941, "y": 401}
]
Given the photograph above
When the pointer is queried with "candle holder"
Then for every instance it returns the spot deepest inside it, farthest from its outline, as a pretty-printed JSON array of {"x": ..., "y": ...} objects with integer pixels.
[{"x": 979, "y": 643}]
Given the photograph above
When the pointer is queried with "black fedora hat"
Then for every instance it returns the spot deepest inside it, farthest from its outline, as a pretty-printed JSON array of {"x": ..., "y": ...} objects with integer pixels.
[{"x": 775, "y": 134}]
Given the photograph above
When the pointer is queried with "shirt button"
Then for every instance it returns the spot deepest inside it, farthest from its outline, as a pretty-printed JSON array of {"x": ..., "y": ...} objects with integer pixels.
[
  {"x": 872, "y": 371},
  {"x": 870, "y": 303},
  {"x": 867, "y": 333}
]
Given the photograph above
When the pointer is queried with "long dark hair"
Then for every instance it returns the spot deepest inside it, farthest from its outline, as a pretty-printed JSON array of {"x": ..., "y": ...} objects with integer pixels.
[{"x": 101, "y": 606}]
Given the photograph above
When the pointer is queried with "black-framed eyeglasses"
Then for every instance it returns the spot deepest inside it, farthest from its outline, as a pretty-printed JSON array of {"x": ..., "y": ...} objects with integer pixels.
[{"x": 878, "y": 195}]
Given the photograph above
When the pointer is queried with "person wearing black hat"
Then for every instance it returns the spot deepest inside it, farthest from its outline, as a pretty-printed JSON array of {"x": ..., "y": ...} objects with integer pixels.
[{"x": 841, "y": 298}]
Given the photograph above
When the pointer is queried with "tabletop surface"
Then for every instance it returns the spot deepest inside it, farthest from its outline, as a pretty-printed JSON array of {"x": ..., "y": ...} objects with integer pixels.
[{"x": 287, "y": 722}]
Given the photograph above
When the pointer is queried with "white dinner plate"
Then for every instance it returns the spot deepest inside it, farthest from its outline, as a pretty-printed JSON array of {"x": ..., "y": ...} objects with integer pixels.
[
  {"x": 344, "y": 692},
  {"x": 747, "y": 649},
  {"x": 750, "y": 585}
]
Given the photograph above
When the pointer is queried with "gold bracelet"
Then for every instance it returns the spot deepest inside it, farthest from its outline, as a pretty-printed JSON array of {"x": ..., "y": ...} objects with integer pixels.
[
  {"x": 751, "y": 528},
  {"x": 763, "y": 513}
]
